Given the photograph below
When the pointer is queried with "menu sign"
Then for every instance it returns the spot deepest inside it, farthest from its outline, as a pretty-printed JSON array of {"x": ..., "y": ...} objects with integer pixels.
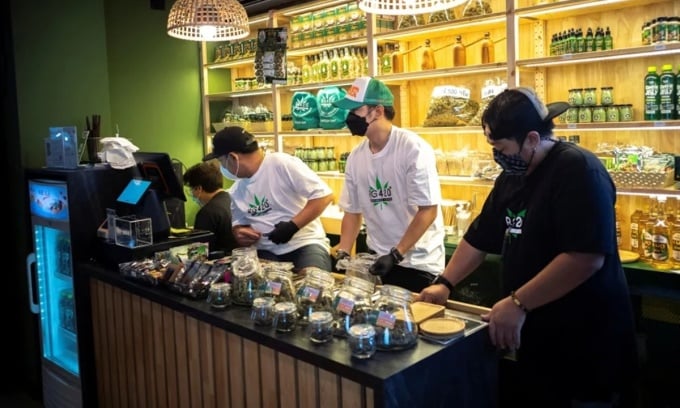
[{"x": 270, "y": 57}]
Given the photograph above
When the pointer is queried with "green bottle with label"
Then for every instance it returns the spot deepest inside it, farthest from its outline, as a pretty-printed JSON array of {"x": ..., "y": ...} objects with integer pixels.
[
  {"x": 667, "y": 93},
  {"x": 652, "y": 110}
]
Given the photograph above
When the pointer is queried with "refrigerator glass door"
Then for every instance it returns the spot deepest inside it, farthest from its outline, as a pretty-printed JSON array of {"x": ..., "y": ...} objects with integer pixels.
[{"x": 52, "y": 242}]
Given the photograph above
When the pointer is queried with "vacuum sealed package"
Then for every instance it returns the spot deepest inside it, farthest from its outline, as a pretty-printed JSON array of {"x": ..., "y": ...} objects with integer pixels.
[
  {"x": 450, "y": 106},
  {"x": 490, "y": 89},
  {"x": 331, "y": 117},
  {"x": 305, "y": 111},
  {"x": 477, "y": 8}
]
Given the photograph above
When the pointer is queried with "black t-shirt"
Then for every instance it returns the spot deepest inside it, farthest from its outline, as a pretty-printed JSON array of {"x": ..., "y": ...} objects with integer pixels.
[
  {"x": 565, "y": 205},
  {"x": 215, "y": 216}
]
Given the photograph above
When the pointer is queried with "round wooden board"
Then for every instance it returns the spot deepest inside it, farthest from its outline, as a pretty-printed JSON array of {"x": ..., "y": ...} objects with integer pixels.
[
  {"x": 442, "y": 326},
  {"x": 628, "y": 256}
]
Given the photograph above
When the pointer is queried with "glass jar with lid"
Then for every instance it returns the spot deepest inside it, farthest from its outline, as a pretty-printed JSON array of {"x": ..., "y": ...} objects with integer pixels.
[
  {"x": 285, "y": 317},
  {"x": 585, "y": 114},
  {"x": 262, "y": 311},
  {"x": 613, "y": 113},
  {"x": 320, "y": 327},
  {"x": 361, "y": 341},
  {"x": 575, "y": 97},
  {"x": 279, "y": 282},
  {"x": 392, "y": 317},
  {"x": 589, "y": 97},
  {"x": 315, "y": 294},
  {"x": 606, "y": 95},
  {"x": 626, "y": 112},
  {"x": 352, "y": 304},
  {"x": 247, "y": 276},
  {"x": 599, "y": 114}
]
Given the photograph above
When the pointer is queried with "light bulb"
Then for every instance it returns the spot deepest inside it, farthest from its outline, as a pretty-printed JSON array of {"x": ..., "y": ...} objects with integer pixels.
[{"x": 208, "y": 31}]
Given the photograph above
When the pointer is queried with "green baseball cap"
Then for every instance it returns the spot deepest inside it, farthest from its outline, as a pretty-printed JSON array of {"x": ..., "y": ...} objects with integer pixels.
[{"x": 366, "y": 91}]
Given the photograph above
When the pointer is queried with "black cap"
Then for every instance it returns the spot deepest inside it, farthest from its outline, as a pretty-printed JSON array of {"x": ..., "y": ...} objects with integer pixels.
[
  {"x": 515, "y": 112},
  {"x": 232, "y": 139}
]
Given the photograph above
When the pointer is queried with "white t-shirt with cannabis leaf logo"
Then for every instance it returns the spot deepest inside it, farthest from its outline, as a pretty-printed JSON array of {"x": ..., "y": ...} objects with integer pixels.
[
  {"x": 277, "y": 192},
  {"x": 387, "y": 187}
]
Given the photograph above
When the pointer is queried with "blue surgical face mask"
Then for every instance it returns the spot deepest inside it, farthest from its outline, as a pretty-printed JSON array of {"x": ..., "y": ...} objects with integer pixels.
[{"x": 226, "y": 173}]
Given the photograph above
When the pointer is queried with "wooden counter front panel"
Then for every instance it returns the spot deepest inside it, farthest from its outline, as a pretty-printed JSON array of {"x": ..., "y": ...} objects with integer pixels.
[{"x": 148, "y": 355}]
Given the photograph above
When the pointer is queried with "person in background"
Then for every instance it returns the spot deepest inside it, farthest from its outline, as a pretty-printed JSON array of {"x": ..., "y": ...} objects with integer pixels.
[
  {"x": 567, "y": 312},
  {"x": 276, "y": 201},
  {"x": 205, "y": 183},
  {"x": 392, "y": 185}
]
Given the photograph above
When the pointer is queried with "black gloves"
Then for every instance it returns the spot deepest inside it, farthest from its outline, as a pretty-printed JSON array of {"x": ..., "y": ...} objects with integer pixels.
[
  {"x": 341, "y": 254},
  {"x": 283, "y": 232},
  {"x": 383, "y": 265}
]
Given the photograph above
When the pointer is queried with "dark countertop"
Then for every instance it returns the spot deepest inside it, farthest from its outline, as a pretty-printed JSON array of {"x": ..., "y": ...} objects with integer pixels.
[{"x": 426, "y": 374}]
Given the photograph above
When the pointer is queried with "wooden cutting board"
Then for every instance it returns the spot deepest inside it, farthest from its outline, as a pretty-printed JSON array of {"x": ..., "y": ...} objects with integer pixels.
[
  {"x": 423, "y": 311},
  {"x": 443, "y": 326}
]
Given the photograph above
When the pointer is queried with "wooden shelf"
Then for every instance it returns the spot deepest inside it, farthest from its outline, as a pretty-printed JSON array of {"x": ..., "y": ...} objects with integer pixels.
[
  {"x": 457, "y": 26},
  {"x": 570, "y": 8},
  {"x": 395, "y": 79},
  {"x": 661, "y": 125},
  {"x": 596, "y": 57}
]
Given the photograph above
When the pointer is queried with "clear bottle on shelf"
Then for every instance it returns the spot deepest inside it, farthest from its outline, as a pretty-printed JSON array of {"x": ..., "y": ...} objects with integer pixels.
[
  {"x": 635, "y": 218},
  {"x": 661, "y": 233}
]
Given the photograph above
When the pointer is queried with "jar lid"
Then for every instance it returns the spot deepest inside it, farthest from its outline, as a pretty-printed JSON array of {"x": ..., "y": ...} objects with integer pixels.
[
  {"x": 263, "y": 302},
  {"x": 285, "y": 307},
  {"x": 607, "y": 87},
  {"x": 362, "y": 331},
  {"x": 220, "y": 286},
  {"x": 320, "y": 317}
]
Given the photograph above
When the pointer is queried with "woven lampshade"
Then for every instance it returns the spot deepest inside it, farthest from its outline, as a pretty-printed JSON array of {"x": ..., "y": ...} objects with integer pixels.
[
  {"x": 208, "y": 20},
  {"x": 407, "y": 7}
]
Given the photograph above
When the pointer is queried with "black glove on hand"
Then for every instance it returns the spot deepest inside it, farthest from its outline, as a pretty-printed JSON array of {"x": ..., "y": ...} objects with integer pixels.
[
  {"x": 283, "y": 232},
  {"x": 383, "y": 265}
]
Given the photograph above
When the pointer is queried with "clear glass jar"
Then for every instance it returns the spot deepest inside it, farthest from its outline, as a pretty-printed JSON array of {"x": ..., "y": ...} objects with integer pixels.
[
  {"x": 585, "y": 114},
  {"x": 279, "y": 283},
  {"x": 572, "y": 115},
  {"x": 285, "y": 317},
  {"x": 219, "y": 295},
  {"x": 262, "y": 311},
  {"x": 315, "y": 294},
  {"x": 247, "y": 276},
  {"x": 358, "y": 266},
  {"x": 361, "y": 341},
  {"x": 320, "y": 327},
  {"x": 395, "y": 328},
  {"x": 352, "y": 304}
]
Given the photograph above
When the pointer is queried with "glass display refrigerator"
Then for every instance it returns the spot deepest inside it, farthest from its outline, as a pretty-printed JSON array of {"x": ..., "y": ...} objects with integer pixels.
[{"x": 66, "y": 208}]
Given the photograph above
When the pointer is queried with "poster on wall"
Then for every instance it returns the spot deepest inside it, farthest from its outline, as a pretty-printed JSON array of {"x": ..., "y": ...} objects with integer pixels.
[{"x": 270, "y": 57}]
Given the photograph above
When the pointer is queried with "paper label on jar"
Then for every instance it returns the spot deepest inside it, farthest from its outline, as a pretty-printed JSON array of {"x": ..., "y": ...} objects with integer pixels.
[
  {"x": 274, "y": 288},
  {"x": 310, "y": 293},
  {"x": 385, "y": 320},
  {"x": 452, "y": 91},
  {"x": 345, "y": 306}
]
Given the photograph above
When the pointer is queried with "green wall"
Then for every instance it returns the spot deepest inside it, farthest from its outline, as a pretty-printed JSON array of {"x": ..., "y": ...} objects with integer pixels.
[{"x": 75, "y": 58}]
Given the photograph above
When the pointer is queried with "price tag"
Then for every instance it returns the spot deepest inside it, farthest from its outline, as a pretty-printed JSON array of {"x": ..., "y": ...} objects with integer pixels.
[
  {"x": 659, "y": 124},
  {"x": 345, "y": 306}
]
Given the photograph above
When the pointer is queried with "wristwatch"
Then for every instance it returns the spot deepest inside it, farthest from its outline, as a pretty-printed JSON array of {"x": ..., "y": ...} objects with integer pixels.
[{"x": 441, "y": 279}]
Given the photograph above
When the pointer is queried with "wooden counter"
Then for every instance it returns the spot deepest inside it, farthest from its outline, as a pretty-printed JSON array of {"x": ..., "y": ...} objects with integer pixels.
[{"x": 153, "y": 348}]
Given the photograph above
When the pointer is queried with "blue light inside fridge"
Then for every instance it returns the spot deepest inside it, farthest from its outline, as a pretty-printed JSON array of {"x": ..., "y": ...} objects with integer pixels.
[{"x": 52, "y": 242}]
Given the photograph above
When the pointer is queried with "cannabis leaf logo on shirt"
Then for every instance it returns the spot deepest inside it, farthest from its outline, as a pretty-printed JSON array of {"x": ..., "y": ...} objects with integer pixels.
[
  {"x": 259, "y": 206},
  {"x": 381, "y": 194},
  {"x": 514, "y": 222}
]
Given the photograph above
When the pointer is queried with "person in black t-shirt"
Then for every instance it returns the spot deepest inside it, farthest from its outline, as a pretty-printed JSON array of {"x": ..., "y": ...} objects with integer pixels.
[
  {"x": 551, "y": 217},
  {"x": 205, "y": 182}
]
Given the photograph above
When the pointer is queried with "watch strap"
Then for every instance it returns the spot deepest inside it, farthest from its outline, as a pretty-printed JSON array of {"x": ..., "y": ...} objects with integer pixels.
[{"x": 441, "y": 279}]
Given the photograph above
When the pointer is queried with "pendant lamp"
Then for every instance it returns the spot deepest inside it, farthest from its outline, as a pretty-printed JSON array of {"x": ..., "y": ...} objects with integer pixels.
[
  {"x": 407, "y": 7},
  {"x": 208, "y": 20}
]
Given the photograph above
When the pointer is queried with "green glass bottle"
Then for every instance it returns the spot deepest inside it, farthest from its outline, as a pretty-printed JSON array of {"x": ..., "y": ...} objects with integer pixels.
[
  {"x": 652, "y": 111},
  {"x": 667, "y": 96}
]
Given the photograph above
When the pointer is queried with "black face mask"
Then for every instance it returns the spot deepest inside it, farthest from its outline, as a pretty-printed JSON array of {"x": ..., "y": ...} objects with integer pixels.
[{"x": 356, "y": 124}]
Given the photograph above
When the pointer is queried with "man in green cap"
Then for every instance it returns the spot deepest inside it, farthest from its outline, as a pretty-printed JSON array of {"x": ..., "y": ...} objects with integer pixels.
[{"x": 391, "y": 183}]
